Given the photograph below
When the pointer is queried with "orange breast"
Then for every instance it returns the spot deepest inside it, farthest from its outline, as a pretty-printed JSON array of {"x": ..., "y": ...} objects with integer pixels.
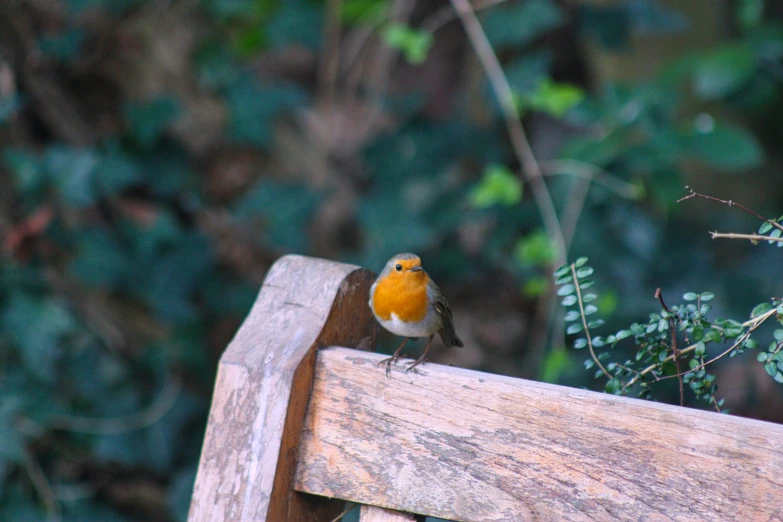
[{"x": 404, "y": 294}]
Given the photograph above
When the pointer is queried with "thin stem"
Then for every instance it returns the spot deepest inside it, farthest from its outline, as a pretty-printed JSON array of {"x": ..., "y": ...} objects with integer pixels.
[
  {"x": 694, "y": 194},
  {"x": 135, "y": 421},
  {"x": 330, "y": 60},
  {"x": 584, "y": 323},
  {"x": 530, "y": 168},
  {"x": 445, "y": 15},
  {"x": 594, "y": 173},
  {"x": 751, "y": 237},
  {"x": 41, "y": 485},
  {"x": 675, "y": 354}
]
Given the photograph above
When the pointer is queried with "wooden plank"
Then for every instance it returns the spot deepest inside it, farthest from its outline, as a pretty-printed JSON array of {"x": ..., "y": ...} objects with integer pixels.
[
  {"x": 469, "y": 446},
  {"x": 263, "y": 387},
  {"x": 376, "y": 514}
]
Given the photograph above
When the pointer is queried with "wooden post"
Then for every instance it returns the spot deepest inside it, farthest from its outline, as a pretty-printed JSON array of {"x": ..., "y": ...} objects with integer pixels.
[{"x": 263, "y": 387}]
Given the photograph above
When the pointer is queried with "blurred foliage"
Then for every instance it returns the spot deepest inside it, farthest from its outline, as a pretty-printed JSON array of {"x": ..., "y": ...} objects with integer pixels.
[{"x": 156, "y": 157}]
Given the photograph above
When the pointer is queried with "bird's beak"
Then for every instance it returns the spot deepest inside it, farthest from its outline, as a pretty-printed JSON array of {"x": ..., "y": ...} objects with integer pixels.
[{"x": 416, "y": 269}]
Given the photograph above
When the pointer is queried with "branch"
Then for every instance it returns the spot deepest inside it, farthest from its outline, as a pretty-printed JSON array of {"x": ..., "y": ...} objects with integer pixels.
[
  {"x": 752, "y": 237},
  {"x": 694, "y": 194},
  {"x": 531, "y": 171},
  {"x": 675, "y": 354}
]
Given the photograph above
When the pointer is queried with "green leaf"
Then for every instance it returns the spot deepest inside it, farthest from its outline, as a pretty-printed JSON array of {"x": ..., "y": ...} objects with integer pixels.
[
  {"x": 297, "y": 22},
  {"x": 750, "y": 13},
  {"x": 584, "y": 272},
  {"x": 690, "y": 296},
  {"x": 772, "y": 368},
  {"x": 72, "y": 170},
  {"x": 569, "y": 300},
  {"x": 519, "y": 23},
  {"x": 535, "y": 249},
  {"x": 572, "y": 315},
  {"x": 535, "y": 286},
  {"x": 725, "y": 147},
  {"x": 26, "y": 169},
  {"x": 779, "y": 377},
  {"x": 415, "y": 44},
  {"x": 574, "y": 328},
  {"x": 580, "y": 262},
  {"x": 498, "y": 186},
  {"x": 778, "y": 334},
  {"x": 148, "y": 120},
  {"x": 580, "y": 343},
  {"x": 253, "y": 108},
  {"x": 566, "y": 290},
  {"x": 37, "y": 326},
  {"x": 707, "y": 296},
  {"x": 563, "y": 270},
  {"x": 700, "y": 350},
  {"x": 765, "y": 227},
  {"x": 590, "y": 309},
  {"x": 555, "y": 99},
  {"x": 761, "y": 309},
  {"x": 762, "y": 356},
  {"x": 355, "y": 12},
  {"x": 724, "y": 71},
  {"x": 557, "y": 363}
]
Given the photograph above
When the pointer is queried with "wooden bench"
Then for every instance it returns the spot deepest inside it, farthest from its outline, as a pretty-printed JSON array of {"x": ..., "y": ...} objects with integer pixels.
[{"x": 300, "y": 424}]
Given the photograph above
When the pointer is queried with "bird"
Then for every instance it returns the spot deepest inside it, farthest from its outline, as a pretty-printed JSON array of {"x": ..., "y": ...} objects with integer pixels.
[{"x": 408, "y": 303}]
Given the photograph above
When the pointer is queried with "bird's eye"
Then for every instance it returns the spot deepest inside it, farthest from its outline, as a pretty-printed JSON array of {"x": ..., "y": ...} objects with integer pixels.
[{"x": 398, "y": 267}]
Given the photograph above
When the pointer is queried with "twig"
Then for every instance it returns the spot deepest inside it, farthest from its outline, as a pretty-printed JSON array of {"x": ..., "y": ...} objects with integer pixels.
[
  {"x": 675, "y": 354},
  {"x": 753, "y": 323},
  {"x": 445, "y": 15},
  {"x": 41, "y": 485},
  {"x": 135, "y": 421},
  {"x": 594, "y": 173},
  {"x": 694, "y": 194},
  {"x": 577, "y": 195},
  {"x": 584, "y": 322},
  {"x": 330, "y": 59},
  {"x": 715, "y": 403},
  {"x": 752, "y": 237},
  {"x": 530, "y": 168}
]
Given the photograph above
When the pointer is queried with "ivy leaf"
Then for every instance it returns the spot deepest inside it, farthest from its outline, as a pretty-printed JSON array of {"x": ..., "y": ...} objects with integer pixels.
[
  {"x": 415, "y": 44},
  {"x": 72, "y": 170},
  {"x": 499, "y": 186},
  {"x": 37, "y": 326},
  {"x": 520, "y": 23},
  {"x": 724, "y": 71},
  {"x": 535, "y": 249},
  {"x": 148, "y": 120},
  {"x": 555, "y": 99},
  {"x": 725, "y": 147}
]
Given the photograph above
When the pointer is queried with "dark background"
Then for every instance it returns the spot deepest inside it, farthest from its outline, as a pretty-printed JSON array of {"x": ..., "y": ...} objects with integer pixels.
[{"x": 157, "y": 156}]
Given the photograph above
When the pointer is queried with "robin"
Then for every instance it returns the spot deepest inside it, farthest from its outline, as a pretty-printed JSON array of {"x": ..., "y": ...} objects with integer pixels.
[{"x": 407, "y": 302}]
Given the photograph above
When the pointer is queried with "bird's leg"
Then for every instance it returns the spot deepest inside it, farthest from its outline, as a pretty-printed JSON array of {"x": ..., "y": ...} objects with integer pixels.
[
  {"x": 394, "y": 358},
  {"x": 422, "y": 358}
]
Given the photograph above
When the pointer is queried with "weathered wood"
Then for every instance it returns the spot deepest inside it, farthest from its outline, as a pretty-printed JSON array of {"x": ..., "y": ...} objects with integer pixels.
[
  {"x": 470, "y": 446},
  {"x": 376, "y": 514},
  {"x": 263, "y": 387}
]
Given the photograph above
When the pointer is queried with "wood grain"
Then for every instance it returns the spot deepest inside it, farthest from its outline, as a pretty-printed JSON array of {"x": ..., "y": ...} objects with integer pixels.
[
  {"x": 263, "y": 388},
  {"x": 469, "y": 446},
  {"x": 376, "y": 514}
]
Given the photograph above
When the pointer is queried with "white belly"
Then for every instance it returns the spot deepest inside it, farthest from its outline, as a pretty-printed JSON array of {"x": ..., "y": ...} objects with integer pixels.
[{"x": 428, "y": 326}]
